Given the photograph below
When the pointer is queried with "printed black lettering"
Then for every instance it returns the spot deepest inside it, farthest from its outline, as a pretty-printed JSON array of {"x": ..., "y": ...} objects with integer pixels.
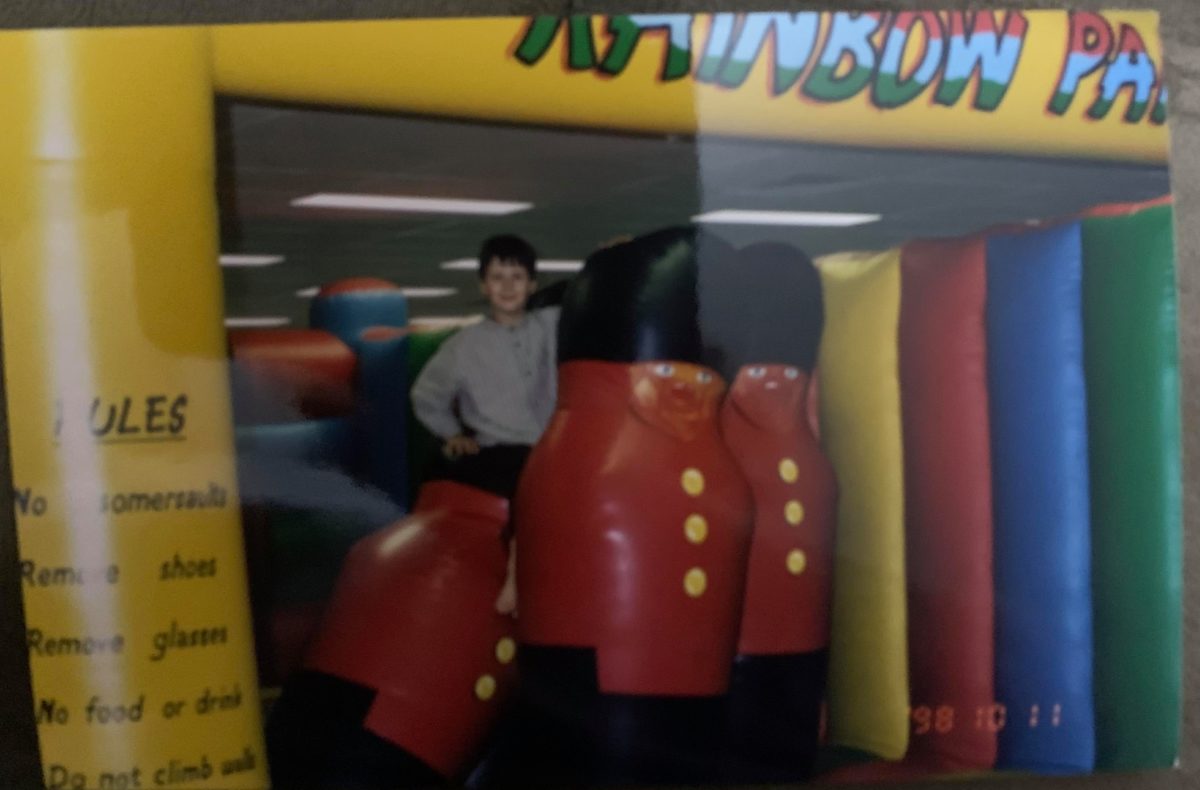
[
  {"x": 51, "y": 711},
  {"x": 124, "y": 427},
  {"x": 66, "y": 576},
  {"x": 39, "y": 644},
  {"x": 154, "y": 413},
  {"x": 176, "y": 638},
  {"x": 178, "y": 414}
]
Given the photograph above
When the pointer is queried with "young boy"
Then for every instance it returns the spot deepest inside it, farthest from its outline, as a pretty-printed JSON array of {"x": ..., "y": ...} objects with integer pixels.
[
  {"x": 501, "y": 374},
  {"x": 489, "y": 391}
]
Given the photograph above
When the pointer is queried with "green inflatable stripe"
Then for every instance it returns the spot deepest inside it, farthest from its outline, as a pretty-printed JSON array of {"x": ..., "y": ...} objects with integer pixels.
[
  {"x": 1132, "y": 366},
  {"x": 421, "y": 443}
]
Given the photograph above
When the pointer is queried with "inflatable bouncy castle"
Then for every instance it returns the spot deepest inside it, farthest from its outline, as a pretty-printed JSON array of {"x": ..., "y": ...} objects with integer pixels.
[
  {"x": 732, "y": 581},
  {"x": 890, "y": 513}
]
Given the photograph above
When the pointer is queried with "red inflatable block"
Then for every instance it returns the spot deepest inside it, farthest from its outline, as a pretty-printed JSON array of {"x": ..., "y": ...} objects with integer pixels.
[
  {"x": 380, "y": 333},
  {"x": 413, "y": 616},
  {"x": 789, "y": 577},
  {"x": 948, "y": 502},
  {"x": 1124, "y": 209},
  {"x": 633, "y": 529},
  {"x": 878, "y": 772},
  {"x": 291, "y": 628},
  {"x": 282, "y": 374},
  {"x": 355, "y": 284}
]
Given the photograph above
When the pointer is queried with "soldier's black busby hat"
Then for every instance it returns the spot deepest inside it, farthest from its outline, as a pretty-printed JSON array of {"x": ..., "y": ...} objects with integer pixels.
[
  {"x": 638, "y": 301},
  {"x": 763, "y": 306}
]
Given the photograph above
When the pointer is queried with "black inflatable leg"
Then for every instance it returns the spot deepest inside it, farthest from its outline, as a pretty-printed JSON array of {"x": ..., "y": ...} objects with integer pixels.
[
  {"x": 564, "y": 732},
  {"x": 315, "y": 739},
  {"x": 774, "y": 717}
]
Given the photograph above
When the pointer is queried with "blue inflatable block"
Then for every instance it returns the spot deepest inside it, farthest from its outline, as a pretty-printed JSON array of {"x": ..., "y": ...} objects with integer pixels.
[
  {"x": 321, "y": 443},
  {"x": 1042, "y": 549},
  {"x": 309, "y": 466},
  {"x": 348, "y": 313},
  {"x": 382, "y": 418}
]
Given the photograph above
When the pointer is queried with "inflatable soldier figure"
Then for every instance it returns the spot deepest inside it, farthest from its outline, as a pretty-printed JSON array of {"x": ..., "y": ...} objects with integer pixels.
[
  {"x": 762, "y": 320},
  {"x": 412, "y": 662},
  {"x": 632, "y": 528}
]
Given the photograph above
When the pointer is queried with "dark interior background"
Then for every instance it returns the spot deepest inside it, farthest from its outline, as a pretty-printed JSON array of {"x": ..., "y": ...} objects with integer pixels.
[{"x": 586, "y": 187}]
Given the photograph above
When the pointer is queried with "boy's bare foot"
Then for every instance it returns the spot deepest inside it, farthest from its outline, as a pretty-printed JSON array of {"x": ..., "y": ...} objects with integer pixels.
[{"x": 506, "y": 601}]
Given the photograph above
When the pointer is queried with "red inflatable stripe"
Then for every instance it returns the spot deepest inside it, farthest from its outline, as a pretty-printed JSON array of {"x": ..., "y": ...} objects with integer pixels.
[{"x": 948, "y": 502}]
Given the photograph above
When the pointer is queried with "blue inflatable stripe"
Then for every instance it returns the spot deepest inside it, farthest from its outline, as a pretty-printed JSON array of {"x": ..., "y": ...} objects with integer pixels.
[
  {"x": 348, "y": 314},
  {"x": 383, "y": 415},
  {"x": 1042, "y": 550}
]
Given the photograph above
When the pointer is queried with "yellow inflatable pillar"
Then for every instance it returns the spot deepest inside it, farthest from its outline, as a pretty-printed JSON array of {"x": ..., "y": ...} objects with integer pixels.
[
  {"x": 132, "y": 567},
  {"x": 861, "y": 431}
]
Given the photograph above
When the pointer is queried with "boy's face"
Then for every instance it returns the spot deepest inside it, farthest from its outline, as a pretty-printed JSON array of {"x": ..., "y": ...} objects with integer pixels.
[{"x": 507, "y": 285}]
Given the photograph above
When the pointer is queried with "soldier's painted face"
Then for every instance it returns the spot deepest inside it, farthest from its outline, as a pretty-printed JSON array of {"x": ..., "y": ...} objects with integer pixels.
[
  {"x": 770, "y": 396},
  {"x": 676, "y": 397}
]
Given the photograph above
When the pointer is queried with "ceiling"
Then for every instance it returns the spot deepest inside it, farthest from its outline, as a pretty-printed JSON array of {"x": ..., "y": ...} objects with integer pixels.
[{"x": 586, "y": 187}]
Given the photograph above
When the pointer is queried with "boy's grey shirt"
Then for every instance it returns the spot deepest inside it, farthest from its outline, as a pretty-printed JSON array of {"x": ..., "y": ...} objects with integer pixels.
[{"x": 504, "y": 380}]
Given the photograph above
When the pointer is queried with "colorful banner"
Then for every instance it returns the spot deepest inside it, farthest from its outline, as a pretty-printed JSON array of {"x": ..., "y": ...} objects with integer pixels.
[{"x": 1058, "y": 83}]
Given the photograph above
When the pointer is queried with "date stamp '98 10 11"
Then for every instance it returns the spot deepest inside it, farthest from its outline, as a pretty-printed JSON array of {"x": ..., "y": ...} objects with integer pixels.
[{"x": 942, "y": 719}]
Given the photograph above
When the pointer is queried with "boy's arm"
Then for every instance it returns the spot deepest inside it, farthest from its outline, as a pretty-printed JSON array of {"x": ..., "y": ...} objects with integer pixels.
[{"x": 434, "y": 392}]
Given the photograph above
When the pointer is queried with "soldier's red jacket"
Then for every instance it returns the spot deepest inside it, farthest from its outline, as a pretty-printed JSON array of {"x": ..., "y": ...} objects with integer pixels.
[
  {"x": 633, "y": 526},
  {"x": 413, "y": 616},
  {"x": 788, "y": 585}
]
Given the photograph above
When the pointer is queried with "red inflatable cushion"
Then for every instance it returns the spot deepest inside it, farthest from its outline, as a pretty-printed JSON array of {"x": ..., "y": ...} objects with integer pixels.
[{"x": 283, "y": 374}]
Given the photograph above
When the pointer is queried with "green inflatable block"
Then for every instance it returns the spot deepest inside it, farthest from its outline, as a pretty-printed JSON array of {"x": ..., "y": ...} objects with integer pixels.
[
  {"x": 1132, "y": 366},
  {"x": 421, "y": 443},
  {"x": 308, "y": 547}
]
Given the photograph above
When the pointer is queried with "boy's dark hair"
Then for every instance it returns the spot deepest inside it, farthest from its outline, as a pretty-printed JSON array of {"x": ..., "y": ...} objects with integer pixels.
[{"x": 508, "y": 247}]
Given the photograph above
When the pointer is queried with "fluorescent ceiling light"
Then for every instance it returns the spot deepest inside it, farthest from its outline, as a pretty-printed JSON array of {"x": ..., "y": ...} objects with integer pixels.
[
  {"x": 461, "y": 265},
  {"x": 472, "y": 264},
  {"x": 816, "y": 219},
  {"x": 410, "y": 203},
  {"x": 256, "y": 322},
  {"x": 559, "y": 266},
  {"x": 415, "y": 292},
  {"x": 237, "y": 259},
  {"x": 442, "y": 321}
]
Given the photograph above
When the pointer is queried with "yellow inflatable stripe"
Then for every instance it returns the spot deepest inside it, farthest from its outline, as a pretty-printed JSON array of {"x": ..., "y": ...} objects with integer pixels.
[{"x": 861, "y": 428}]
